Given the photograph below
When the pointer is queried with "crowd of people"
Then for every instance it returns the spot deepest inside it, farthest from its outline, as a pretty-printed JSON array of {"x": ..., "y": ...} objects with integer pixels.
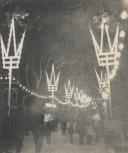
[{"x": 87, "y": 127}]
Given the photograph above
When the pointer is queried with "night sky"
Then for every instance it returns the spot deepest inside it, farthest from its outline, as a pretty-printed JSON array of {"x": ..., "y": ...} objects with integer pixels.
[{"x": 58, "y": 31}]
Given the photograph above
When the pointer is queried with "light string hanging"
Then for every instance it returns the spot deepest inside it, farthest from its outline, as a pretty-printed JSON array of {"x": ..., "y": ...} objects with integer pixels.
[
  {"x": 11, "y": 62},
  {"x": 29, "y": 91}
]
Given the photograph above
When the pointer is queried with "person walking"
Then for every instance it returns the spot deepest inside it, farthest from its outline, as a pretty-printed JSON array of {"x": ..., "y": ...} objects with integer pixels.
[
  {"x": 63, "y": 127},
  {"x": 96, "y": 120},
  {"x": 81, "y": 126},
  {"x": 70, "y": 130},
  {"x": 48, "y": 126}
]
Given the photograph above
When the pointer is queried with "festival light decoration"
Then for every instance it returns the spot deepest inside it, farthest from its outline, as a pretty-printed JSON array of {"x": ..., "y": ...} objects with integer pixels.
[
  {"x": 68, "y": 91},
  {"x": 107, "y": 58},
  {"x": 48, "y": 105},
  {"x": 124, "y": 15},
  {"x": 103, "y": 85},
  {"x": 122, "y": 34},
  {"x": 79, "y": 95},
  {"x": 52, "y": 83},
  {"x": 11, "y": 62},
  {"x": 121, "y": 46}
]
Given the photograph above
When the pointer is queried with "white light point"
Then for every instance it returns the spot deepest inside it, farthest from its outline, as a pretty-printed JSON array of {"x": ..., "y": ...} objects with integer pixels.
[
  {"x": 89, "y": 99},
  {"x": 124, "y": 15},
  {"x": 122, "y": 34},
  {"x": 20, "y": 85},
  {"x": 113, "y": 74},
  {"x": 121, "y": 46},
  {"x": 24, "y": 88},
  {"x": 104, "y": 95},
  {"x": 118, "y": 54}
]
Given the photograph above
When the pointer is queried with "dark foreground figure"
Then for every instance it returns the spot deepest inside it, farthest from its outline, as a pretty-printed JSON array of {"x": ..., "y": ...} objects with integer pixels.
[{"x": 11, "y": 131}]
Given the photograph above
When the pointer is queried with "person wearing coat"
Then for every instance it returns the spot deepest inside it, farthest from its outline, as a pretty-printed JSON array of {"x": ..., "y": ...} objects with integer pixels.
[{"x": 81, "y": 126}]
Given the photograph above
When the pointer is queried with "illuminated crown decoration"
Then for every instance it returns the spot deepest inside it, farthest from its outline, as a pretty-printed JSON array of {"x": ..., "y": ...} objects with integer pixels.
[
  {"x": 13, "y": 60},
  {"x": 103, "y": 84},
  {"x": 106, "y": 58},
  {"x": 69, "y": 90},
  {"x": 53, "y": 80}
]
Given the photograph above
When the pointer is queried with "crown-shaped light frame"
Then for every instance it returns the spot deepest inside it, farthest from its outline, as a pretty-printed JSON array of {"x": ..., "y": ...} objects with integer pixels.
[
  {"x": 52, "y": 81},
  {"x": 68, "y": 90},
  {"x": 13, "y": 61},
  {"x": 103, "y": 83},
  {"x": 107, "y": 58}
]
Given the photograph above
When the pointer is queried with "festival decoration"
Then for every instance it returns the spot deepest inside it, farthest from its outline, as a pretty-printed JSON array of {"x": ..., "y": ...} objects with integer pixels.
[
  {"x": 52, "y": 83},
  {"x": 10, "y": 60}
]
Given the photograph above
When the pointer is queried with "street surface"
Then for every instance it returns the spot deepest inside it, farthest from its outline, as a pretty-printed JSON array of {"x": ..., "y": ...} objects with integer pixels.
[{"x": 61, "y": 144}]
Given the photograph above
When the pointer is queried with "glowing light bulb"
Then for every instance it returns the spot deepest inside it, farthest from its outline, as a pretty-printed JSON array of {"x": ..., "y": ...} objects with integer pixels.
[
  {"x": 118, "y": 54},
  {"x": 105, "y": 95},
  {"x": 124, "y": 15},
  {"x": 20, "y": 85},
  {"x": 122, "y": 34},
  {"x": 113, "y": 74},
  {"x": 121, "y": 46}
]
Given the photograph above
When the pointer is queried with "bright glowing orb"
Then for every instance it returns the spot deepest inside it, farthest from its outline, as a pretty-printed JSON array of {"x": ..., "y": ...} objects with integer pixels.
[
  {"x": 122, "y": 34},
  {"x": 124, "y": 15},
  {"x": 121, "y": 46}
]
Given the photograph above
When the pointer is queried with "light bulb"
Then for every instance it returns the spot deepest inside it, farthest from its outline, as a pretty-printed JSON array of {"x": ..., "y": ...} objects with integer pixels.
[
  {"x": 121, "y": 46},
  {"x": 118, "y": 54},
  {"x": 122, "y": 34},
  {"x": 20, "y": 85},
  {"x": 113, "y": 74},
  {"x": 124, "y": 15}
]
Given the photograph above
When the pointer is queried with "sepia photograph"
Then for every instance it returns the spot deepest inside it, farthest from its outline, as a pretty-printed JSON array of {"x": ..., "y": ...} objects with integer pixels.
[{"x": 63, "y": 76}]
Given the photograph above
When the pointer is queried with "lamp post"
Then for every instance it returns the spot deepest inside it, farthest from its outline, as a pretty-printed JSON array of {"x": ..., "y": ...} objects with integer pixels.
[
  {"x": 107, "y": 57},
  {"x": 68, "y": 92},
  {"x": 52, "y": 83},
  {"x": 11, "y": 62}
]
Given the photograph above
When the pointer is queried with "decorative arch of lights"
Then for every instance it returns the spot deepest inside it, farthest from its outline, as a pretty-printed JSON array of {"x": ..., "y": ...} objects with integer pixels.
[
  {"x": 11, "y": 62},
  {"x": 81, "y": 99}
]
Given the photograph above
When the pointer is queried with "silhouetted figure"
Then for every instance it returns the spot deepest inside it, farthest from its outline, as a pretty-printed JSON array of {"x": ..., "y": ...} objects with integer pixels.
[
  {"x": 63, "y": 127},
  {"x": 81, "y": 126},
  {"x": 96, "y": 120},
  {"x": 70, "y": 130},
  {"x": 12, "y": 125},
  {"x": 48, "y": 126},
  {"x": 34, "y": 120}
]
